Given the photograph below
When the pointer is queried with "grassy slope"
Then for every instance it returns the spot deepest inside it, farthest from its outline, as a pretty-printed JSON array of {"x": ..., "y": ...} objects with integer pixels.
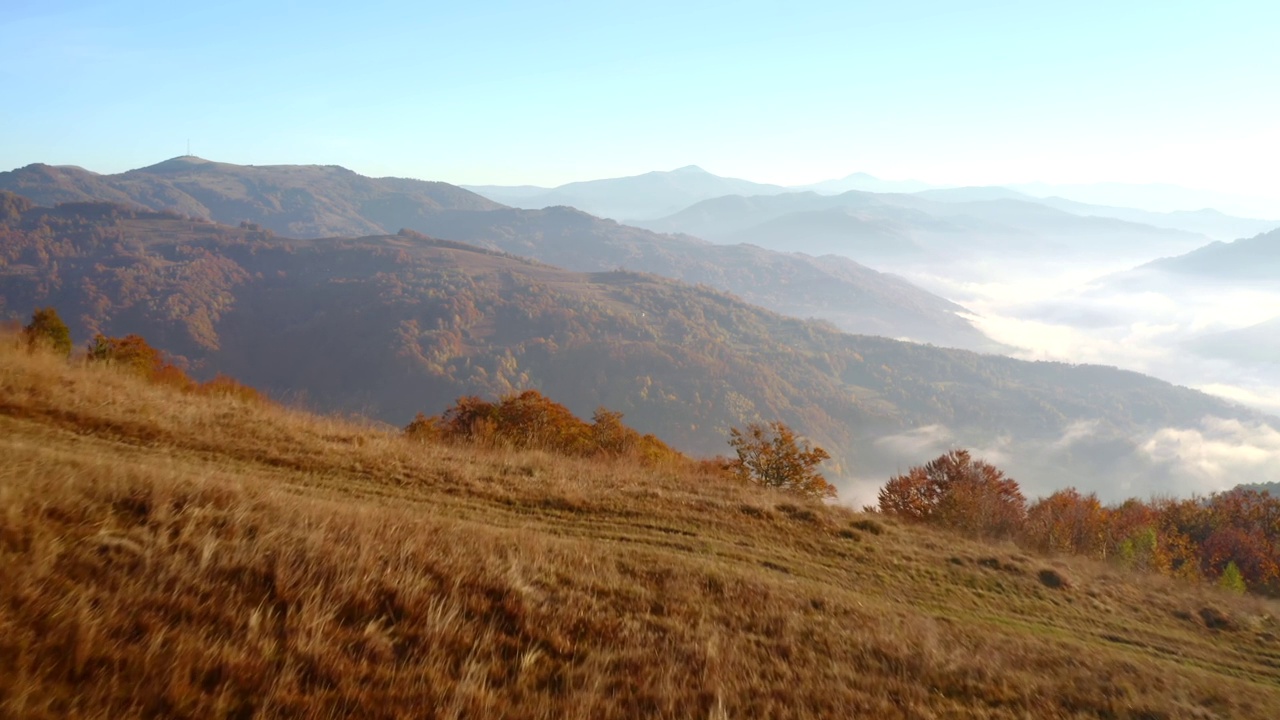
[{"x": 172, "y": 556}]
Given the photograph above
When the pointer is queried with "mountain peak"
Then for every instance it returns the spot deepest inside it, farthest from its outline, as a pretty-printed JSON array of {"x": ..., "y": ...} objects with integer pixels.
[
  {"x": 182, "y": 162},
  {"x": 690, "y": 170}
]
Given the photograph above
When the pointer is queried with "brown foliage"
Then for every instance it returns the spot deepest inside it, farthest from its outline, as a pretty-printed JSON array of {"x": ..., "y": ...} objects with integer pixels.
[
  {"x": 1067, "y": 522},
  {"x": 531, "y": 420},
  {"x": 131, "y": 352},
  {"x": 1193, "y": 539},
  {"x": 959, "y": 492},
  {"x": 775, "y": 457},
  {"x": 47, "y": 328},
  {"x": 165, "y": 554}
]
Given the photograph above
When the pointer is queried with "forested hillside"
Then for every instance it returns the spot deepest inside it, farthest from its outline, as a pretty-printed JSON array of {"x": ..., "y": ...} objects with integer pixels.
[
  {"x": 393, "y": 325},
  {"x": 319, "y": 201},
  {"x": 166, "y": 554}
]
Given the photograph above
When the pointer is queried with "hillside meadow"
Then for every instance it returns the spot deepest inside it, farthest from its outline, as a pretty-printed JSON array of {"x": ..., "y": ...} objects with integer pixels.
[
  {"x": 167, "y": 554},
  {"x": 390, "y": 326}
]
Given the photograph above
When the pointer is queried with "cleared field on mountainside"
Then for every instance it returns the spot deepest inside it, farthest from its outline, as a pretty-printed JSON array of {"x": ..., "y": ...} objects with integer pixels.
[{"x": 173, "y": 555}]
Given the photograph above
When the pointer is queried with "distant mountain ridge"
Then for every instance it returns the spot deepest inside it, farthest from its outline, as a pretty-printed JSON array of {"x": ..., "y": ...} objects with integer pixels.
[
  {"x": 935, "y": 226},
  {"x": 624, "y": 199},
  {"x": 852, "y": 296},
  {"x": 390, "y": 325},
  {"x": 865, "y": 183},
  {"x": 1153, "y": 197},
  {"x": 322, "y": 201},
  {"x": 297, "y": 200},
  {"x": 1255, "y": 258},
  {"x": 647, "y": 199},
  {"x": 1258, "y": 343}
]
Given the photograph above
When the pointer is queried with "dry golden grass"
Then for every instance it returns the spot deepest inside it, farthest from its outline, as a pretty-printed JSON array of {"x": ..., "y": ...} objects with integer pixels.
[{"x": 170, "y": 555}]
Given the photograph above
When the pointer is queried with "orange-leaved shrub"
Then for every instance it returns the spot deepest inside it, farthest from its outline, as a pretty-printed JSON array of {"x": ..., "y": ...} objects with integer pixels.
[
  {"x": 135, "y": 354},
  {"x": 1233, "y": 535},
  {"x": 957, "y": 491},
  {"x": 530, "y": 419},
  {"x": 775, "y": 457}
]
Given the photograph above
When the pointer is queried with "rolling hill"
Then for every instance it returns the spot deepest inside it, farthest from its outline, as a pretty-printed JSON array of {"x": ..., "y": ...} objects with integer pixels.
[
  {"x": 864, "y": 182},
  {"x": 1248, "y": 264},
  {"x": 171, "y": 555},
  {"x": 391, "y": 325},
  {"x": 932, "y": 228},
  {"x": 310, "y": 201},
  {"x": 1248, "y": 259},
  {"x": 639, "y": 197},
  {"x": 1258, "y": 343},
  {"x": 296, "y": 200},
  {"x": 1207, "y": 222}
]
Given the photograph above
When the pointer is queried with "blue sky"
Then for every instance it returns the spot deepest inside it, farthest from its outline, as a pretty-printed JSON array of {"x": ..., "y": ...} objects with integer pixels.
[{"x": 545, "y": 93}]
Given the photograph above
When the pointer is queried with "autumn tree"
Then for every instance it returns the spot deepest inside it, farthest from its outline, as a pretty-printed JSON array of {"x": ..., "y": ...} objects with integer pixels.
[
  {"x": 135, "y": 354},
  {"x": 423, "y": 428},
  {"x": 772, "y": 455},
  {"x": 1067, "y": 522},
  {"x": 47, "y": 328},
  {"x": 608, "y": 436},
  {"x": 131, "y": 351},
  {"x": 1232, "y": 580},
  {"x": 957, "y": 491},
  {"x": 529, "y": 419}
]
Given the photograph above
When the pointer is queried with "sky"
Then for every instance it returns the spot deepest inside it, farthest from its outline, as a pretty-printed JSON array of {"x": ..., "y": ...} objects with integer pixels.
[{"x": 979, "y": 92}]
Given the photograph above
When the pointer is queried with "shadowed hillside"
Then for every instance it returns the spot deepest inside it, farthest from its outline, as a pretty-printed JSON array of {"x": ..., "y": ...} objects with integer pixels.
[
  {"x": 295, "y": 200},
  {"x": 930, "y": 228},
  {"x": 1248, "y": 259},
  {"x": 169, "y": 555},
  {"x": 640, "y": 197},
  {"x": 315, "y": 201},
  {"x": 392, "y": 325}
]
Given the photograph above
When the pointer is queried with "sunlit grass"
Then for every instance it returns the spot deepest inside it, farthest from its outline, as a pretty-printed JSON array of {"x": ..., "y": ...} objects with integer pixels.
[{"x": 173, "y": 555}]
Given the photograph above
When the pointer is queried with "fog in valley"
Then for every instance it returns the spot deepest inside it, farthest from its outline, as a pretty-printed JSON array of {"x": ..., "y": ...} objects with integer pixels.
[{"x": 1051, "y": 273}]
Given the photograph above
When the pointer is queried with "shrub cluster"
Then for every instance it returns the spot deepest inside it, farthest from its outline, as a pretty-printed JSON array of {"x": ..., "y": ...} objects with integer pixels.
[
  {"x": 131, "y": 352},
  {"x": 531, "y": 420},
  {"x": 1231, "y": 537},
  {"x": 775, "y": 457}
]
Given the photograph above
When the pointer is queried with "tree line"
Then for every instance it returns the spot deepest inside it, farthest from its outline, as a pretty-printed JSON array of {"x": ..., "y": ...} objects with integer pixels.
[
  {"x": 1232, "y": 537},
  {"x": 131, "y": 352}
]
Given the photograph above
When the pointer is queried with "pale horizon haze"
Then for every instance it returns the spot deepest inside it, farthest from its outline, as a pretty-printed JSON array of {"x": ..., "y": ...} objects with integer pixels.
[{"x": 949, "y": 93}]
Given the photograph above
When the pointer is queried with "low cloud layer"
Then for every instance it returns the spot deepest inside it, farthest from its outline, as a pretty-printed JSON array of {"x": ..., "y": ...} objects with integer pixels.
[
  {"x": 1144, "y": 322},
  {"x": 1108, "y": 314},
  {"x": 1218, "y": 455},
  {"x": 1214, "y": 455}
]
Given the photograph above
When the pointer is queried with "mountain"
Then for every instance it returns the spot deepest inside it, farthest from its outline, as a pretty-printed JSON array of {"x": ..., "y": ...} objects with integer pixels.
[
  {"x": 1258, "y": 343},
  {"x": 175, "y": 555},
  {"x": 1244, "y": 265},
  {"x": 973, "y": 194},
  {"x": 311, "y": 201},
  {"x": 854, "y": 297},
  {"x": 1210, "y": 223},
  {"x": 865, "y": 183},
  {"x": 638, "y": 197},
  {"x": 392, "y": 325},
  {"x": 1247, "y": 265},
  {"x": 1153, "y": 197},
  {"x": 936, "y": 227},
  {"x": 297, "y": 200},
  {"x": 1255, "y": 259}
]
